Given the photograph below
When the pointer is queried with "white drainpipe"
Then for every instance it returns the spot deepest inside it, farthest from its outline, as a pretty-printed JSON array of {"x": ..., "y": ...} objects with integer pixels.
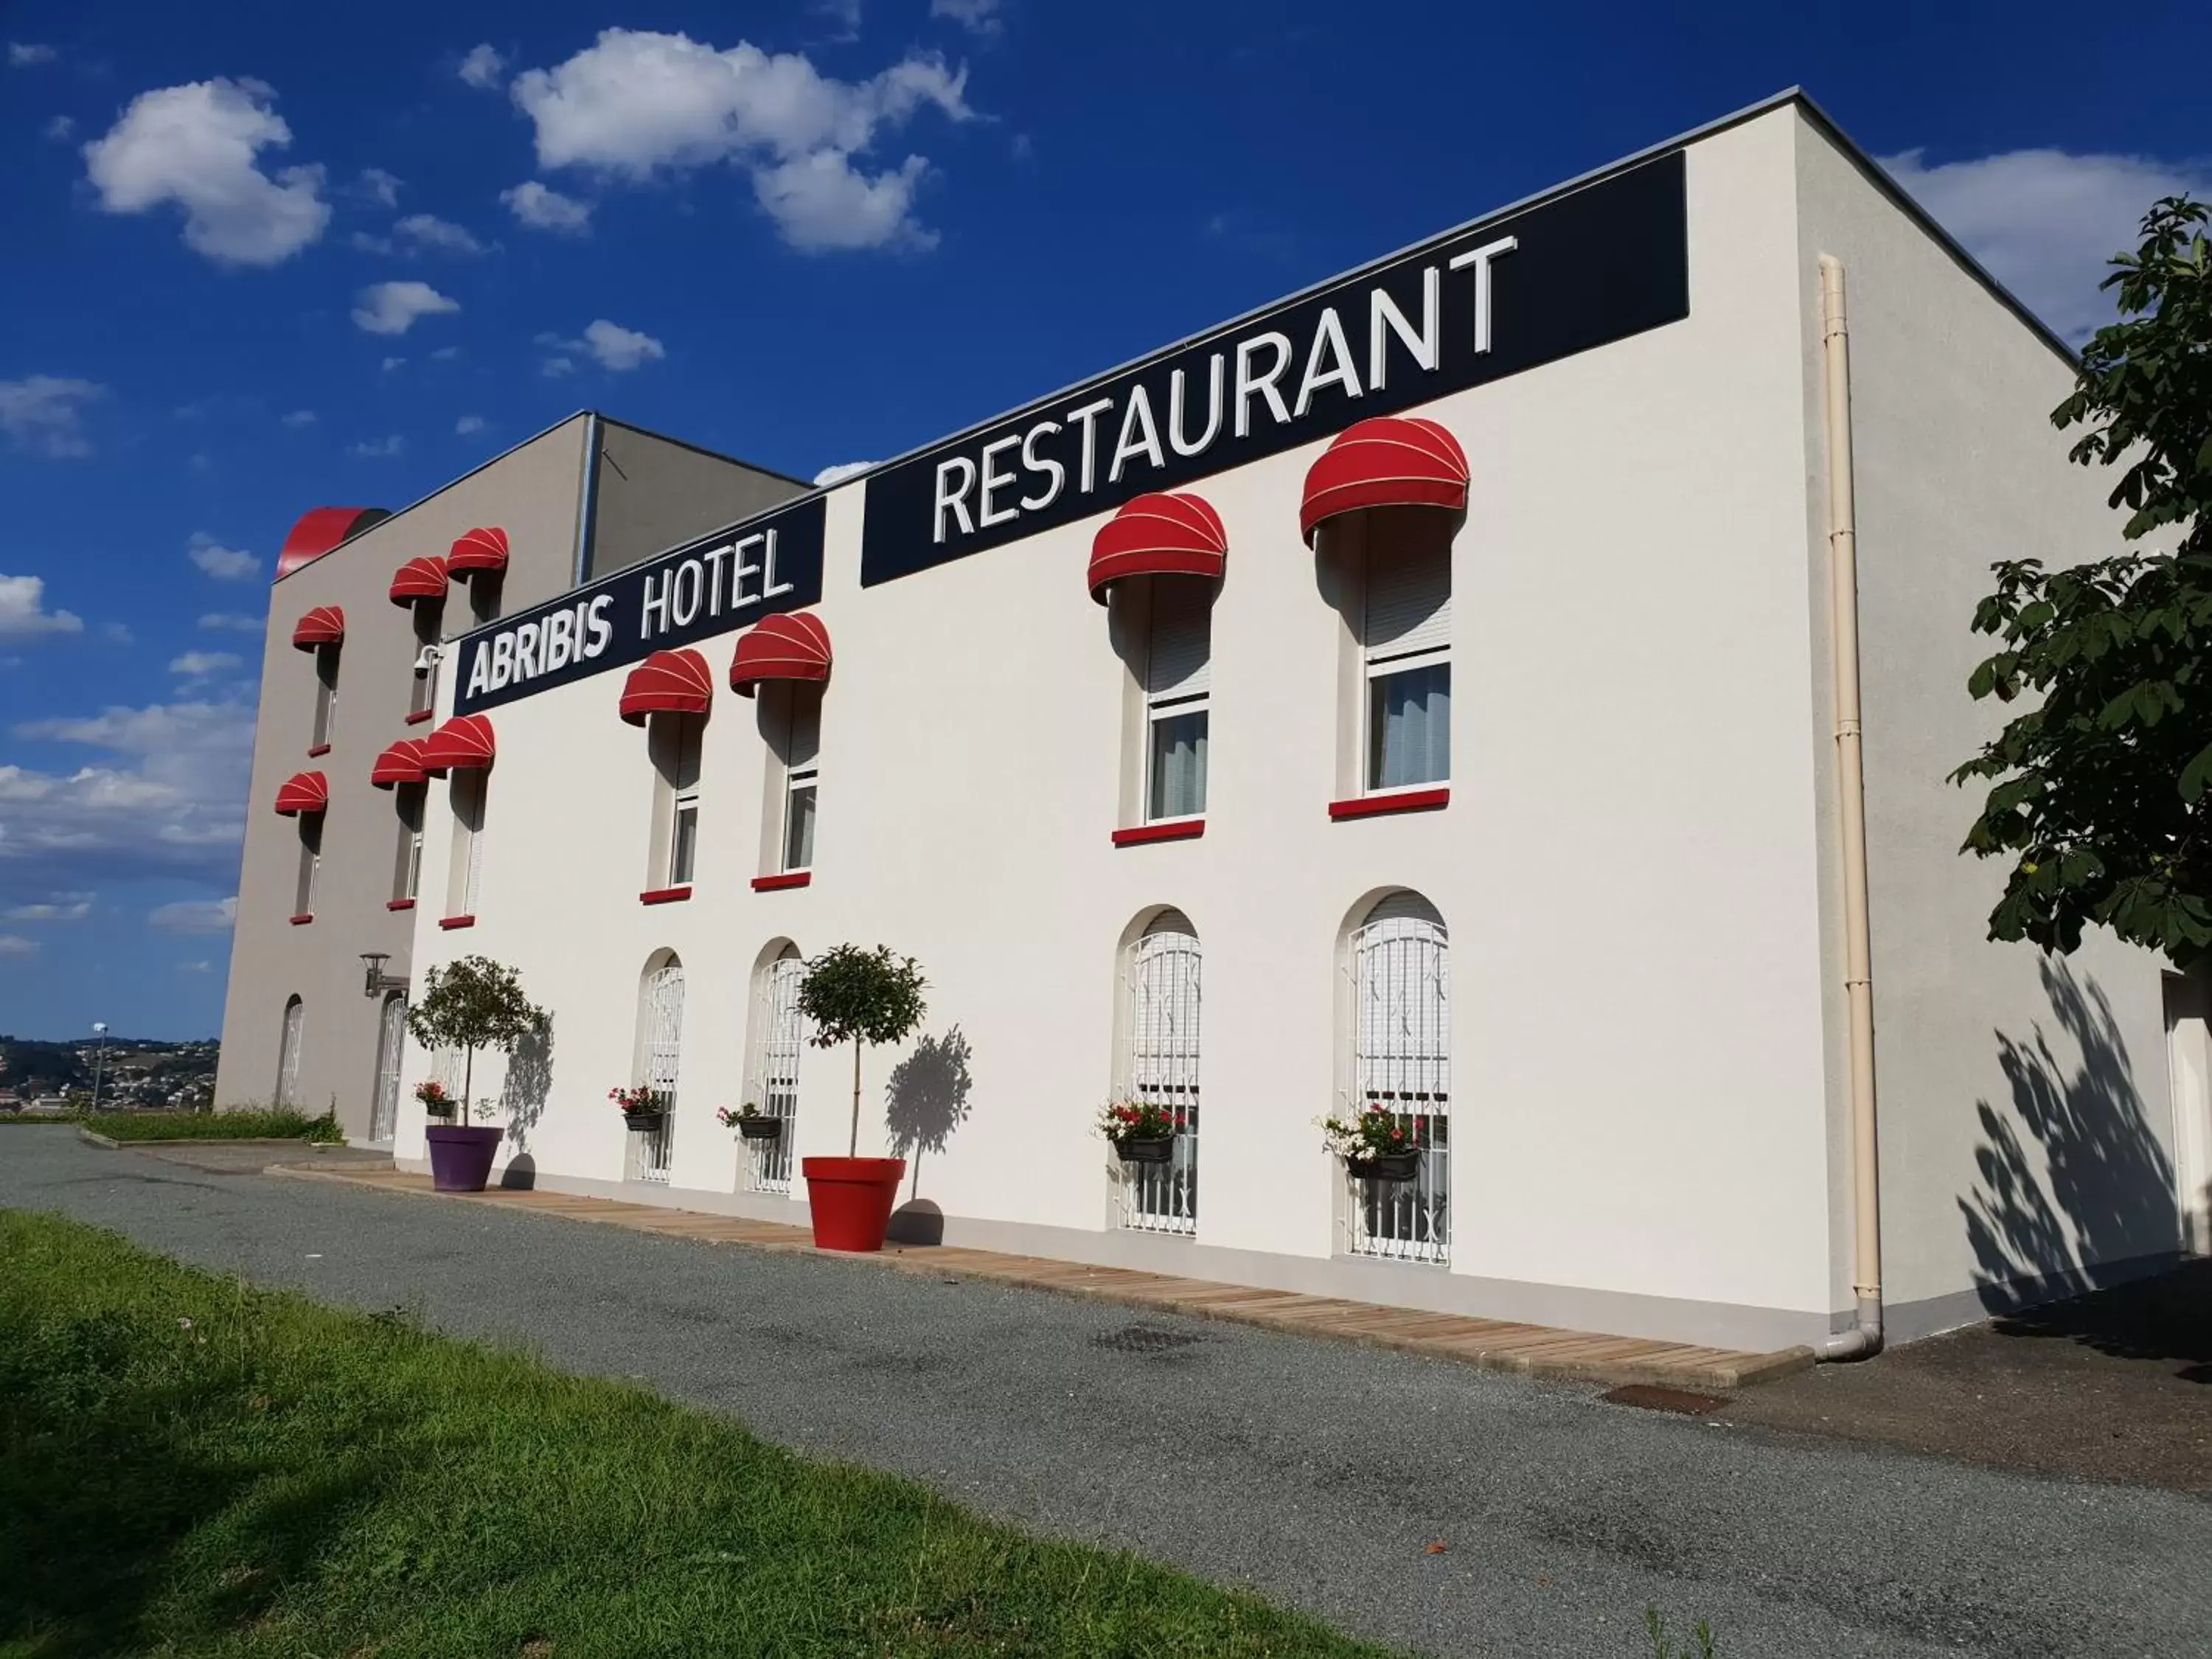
[{"x": 1863, "y": 1340}]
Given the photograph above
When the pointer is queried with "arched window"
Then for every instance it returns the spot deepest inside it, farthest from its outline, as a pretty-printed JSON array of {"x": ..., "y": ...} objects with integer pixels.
[
  {"x": 391, "y": 1045},
  {"x": 779, "y": 1037},
  {"x": 288, "y": 1053},
  {"x": 659, "y": 1054},
  {"x": 1400, "y": 967},
  {"x": 1160, "y": 1065}
]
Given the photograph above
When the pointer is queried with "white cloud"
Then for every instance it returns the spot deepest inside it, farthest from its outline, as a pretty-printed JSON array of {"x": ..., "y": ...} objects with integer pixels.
[
  {"x": 839, "y": 473},
  {"x": 225, "y": 564},
  {"x": 370, "y": 243},
  {"x": 844, "y": 16},
  {"x": 980, "y": 15},
  {"x": 468, "y": 426},
  {"x": 59, "y": 130},
  {"x": 620, "y": 348},
  {"x": 636, "y": 101},
  {"x": 393, "y": 308},
  {"x": 444, "y": 354},
  {"x": 300, "y": 417},
  {"x": 56, "y": 907},
  {"x": 166, "y": 796},
  {"x": 197, "y": 145},
  {"x": 546, "y": 210},
  {"x": 23, "y": 612},
  {"x": 16, "y": 946},
  {"x": 195, "y": 916},
  {"x": 391, "y": 363},
  {"x": 482, "y": 65},
  {"x": 195, "y": 967},
  {"x": 230, "y": 622},
  {"x": 199, "y": 664},
  {"x": 44, "y": 413},
  {"x": 24, "y": 54},
  {"x": 379, "y": 187},
  {"x": 553, "y": 367},
  {"x": 117, "y": 633},
  {"x": 427, "y": 230},
  {"x": 378, "y": 449},
  {"x": 2046, "y": 222}
]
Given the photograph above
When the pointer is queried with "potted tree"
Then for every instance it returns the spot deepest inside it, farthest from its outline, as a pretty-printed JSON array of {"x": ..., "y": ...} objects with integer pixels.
[
  {"x": 860, "y": 997},
  {"x": 469, "y": 1003}
]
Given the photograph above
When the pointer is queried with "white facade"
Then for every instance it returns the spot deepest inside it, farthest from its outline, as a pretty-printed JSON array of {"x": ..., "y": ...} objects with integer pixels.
[{"x": 1641, "y": 1045}]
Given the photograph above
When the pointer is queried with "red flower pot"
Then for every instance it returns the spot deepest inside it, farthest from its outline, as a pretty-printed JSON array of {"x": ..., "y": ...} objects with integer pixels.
[
  {"x": 460, "y": 1156},
  {"x": 852, "y": 1199}
]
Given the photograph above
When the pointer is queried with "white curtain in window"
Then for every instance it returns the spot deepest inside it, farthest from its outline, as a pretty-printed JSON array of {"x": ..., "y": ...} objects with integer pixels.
[{"x": 1411, "y": 742}]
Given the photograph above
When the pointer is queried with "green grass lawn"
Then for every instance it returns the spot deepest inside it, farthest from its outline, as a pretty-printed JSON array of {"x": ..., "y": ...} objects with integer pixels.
[
  {"x": 189, "y": 1466},
  {"x": 247, "y": 1124}
]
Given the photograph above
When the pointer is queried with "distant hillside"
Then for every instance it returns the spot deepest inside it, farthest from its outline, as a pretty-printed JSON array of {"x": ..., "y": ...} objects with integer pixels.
[{"x": 136, "y": 1071}]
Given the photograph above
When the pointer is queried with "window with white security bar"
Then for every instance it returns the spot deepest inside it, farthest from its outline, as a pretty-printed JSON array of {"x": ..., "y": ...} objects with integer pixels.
[
  {"x": 802, "y": 755},
  {"x": 407, "y": 867},
  {"x": 1178, "y": 685},
  {"x": 1400, "y": 960},
  {"x": 326, "y": 694},
  {"x": 1406, "y": 640},
  {"x": 1160, "y": 1067}
]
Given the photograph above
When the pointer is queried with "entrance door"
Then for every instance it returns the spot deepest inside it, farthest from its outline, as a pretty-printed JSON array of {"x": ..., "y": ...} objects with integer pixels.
[
  {"x": 391, "y": 1034},
  {"x": 2189, "y": 1068}
]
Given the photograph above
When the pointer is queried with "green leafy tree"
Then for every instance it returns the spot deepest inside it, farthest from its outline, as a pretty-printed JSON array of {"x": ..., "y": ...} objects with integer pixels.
[
  {"x": 469, "y": 1004},
  {"x": 2098, "y": 791},
  {"x": 862, "y": 997}
]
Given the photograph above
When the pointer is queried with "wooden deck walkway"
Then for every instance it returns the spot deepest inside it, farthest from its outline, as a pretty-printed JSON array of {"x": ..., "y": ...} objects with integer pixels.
[{"x": 1533, "y": 1350}]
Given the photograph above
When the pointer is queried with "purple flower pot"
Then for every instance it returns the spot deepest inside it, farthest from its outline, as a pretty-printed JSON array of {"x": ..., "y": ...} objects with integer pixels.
[{"x": 460, "y": 1156}]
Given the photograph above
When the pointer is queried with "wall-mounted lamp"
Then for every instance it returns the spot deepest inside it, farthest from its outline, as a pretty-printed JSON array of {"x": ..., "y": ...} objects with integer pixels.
[{"x": 377, "y": 980}]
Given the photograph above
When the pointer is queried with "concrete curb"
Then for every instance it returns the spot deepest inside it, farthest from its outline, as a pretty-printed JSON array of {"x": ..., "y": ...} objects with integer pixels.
[
  {"x": 113, "y": 1145},
  {"x": 1357, "y": 1324}
]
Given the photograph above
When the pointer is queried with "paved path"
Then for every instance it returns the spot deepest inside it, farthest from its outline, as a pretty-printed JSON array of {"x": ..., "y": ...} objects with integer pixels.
[
  {"x": 1494, "y": 1344},
  {"x": 1321, "y": 1474}
]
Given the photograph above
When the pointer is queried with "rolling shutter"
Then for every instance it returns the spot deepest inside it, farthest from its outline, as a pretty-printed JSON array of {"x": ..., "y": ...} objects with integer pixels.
[
  {"x": 1178, "y": 660},
  {"x": 1409, "y": 601}
]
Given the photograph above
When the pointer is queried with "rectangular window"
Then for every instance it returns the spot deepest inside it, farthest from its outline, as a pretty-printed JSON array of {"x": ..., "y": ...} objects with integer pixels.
[
  {"x": 683, "y": 841},
  {"x": 407, "y": 873},
  {"x": 1406, "y": 637},
  {"x": 311, "y": 859},
  {"x": 465, "y": 874},
  {"x": 327, "y": 692},
  {"x": 802, "y": 773},
  {"x": 1178, "y": 685}
]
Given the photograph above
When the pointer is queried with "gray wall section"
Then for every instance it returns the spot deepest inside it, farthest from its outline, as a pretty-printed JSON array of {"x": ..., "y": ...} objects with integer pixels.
[
  {"x": 2027, "y": 1125},
  {"x": 654, "y": 493},
  {"x": 531, "y": 492}
]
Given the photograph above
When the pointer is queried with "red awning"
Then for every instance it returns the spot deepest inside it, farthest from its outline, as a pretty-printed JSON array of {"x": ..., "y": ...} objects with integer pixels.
[
  {"x": 419, "y": 579},
  {"x": 400, "y": 763},
  {"x": 1158, "y": 535},
  {"x": 1386, "y": 462},
  {"x": 323, "y": 625},
  {"x": 304, "y": 791},
  {"x": 791, "y": 647},
  {"x": 668, "y": 682},
  {"x": 320, "y": 529},
  {"x": 481, "y": 552},
  {"x": 462, "y": 744}
]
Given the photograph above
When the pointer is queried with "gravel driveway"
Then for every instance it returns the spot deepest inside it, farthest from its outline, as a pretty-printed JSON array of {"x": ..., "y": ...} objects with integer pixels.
[{"x": 1324, "y": 1475}]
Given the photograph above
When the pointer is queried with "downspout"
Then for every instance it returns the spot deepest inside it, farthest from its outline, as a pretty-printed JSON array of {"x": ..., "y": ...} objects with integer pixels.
[
  {"x": 1863, "y": 1340},
  {"x": 587, "y": 499}
]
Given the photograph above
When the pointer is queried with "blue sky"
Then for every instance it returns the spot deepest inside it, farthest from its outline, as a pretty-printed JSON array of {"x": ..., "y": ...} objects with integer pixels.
[{"x": 261, "y": 257}]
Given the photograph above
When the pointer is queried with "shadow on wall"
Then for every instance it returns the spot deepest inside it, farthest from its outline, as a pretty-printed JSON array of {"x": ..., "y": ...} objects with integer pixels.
[
  {"x": 2103, "y": 1195},
  {"x": 924, "y": 1101},
  {"x": 529, "y": 1085}
]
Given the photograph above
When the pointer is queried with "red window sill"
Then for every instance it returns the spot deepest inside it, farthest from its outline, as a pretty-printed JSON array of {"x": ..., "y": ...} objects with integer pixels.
[
  {"x": 451, "y": 922},
  {"x": 420, "y": 715},
  {"x": 777, "y": 883},
  {"x": 399, "y": 904},
  {"x": 1405, "y": 800},
  {"x": 1137, "y": 834},
  {"x": 318, "y": 749},
  {"x": 665, "y": 896},
  {"x": 303, "y": 918}
]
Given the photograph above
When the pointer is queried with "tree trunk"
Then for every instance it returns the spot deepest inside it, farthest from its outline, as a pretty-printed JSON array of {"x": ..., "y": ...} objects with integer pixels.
[
  {"x": 468, "y": 1078},
  {"x": 852, "y": 1144}
]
